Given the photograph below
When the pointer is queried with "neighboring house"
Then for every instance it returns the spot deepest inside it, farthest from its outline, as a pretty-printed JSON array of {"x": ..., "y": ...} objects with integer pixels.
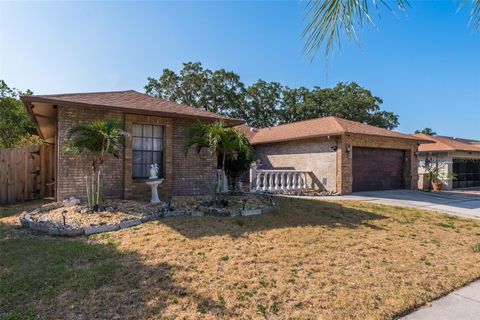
[
  {"x": 457, "y": 157},
  {"x": 157, "y": 131},
  {"x": 340, "y": 155}
]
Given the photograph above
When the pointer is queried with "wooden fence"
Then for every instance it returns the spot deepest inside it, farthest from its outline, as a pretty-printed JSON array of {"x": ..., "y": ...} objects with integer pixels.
[{"x": 27, "y": 173}]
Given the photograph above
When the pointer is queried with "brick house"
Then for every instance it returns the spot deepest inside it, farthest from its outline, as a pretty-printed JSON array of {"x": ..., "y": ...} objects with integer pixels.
[
  {"x": 157, "y": 130},
  {"x": 339, "y": 155},
  {"x": 456, "y": 157}
]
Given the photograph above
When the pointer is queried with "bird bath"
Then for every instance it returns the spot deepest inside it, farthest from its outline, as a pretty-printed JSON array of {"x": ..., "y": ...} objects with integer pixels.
[{"x": 153, "y": 183}]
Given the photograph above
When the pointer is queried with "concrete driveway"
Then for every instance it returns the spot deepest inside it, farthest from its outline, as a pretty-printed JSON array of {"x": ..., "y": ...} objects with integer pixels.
[{"x": 465, "y": 203}]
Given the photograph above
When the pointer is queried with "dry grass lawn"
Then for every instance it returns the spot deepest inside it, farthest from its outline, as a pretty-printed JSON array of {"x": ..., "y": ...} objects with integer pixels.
[{"x": 308, "y": 260}]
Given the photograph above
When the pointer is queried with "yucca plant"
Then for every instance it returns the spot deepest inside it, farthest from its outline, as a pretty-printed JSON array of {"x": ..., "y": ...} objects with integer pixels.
[
  {"x": 224, "y": 141},
  {"x": 97, "y": 138}
]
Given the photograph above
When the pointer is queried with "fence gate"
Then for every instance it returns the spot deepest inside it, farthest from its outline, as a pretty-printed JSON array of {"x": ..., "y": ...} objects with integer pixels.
[{"x": 27, "y": 173}]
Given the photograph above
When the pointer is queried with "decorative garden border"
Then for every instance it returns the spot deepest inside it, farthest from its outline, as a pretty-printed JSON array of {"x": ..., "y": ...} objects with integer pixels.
[{"x": 54, "y": 229}]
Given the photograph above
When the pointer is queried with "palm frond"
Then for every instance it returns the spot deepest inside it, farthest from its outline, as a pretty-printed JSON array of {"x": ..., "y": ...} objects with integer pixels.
[{"x": 328, "y": 20}]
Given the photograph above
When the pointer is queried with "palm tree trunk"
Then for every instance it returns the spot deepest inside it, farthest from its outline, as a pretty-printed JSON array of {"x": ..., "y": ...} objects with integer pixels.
[
  {"x": 98, "y": 187},
  {"x": 222, "y": 175},
  {"x": 88, "y": 193}
]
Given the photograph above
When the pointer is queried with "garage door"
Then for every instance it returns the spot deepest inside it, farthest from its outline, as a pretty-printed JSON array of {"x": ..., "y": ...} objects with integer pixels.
[{"x": 377, "y": 169}]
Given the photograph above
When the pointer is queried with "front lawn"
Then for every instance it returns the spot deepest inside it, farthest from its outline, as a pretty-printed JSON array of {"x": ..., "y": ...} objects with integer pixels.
[{"x": 309, "y": 259}]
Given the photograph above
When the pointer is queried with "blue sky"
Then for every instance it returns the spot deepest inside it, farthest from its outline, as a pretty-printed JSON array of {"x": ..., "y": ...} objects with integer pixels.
[{"x": 425, "y": 64}]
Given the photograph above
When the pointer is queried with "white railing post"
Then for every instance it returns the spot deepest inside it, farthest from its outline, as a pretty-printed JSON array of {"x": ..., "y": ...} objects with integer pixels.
[
  {"x": 257, "y": 183},
  {"x": 277, "y": 180}
]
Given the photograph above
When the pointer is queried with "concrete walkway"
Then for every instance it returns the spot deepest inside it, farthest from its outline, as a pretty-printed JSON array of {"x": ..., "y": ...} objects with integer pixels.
[
  {"x": 465, "y": 203},
  {"x": 462, "y": 304}
]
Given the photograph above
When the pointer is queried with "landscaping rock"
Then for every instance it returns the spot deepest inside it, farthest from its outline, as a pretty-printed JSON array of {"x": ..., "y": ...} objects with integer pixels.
[
  {"x": 51, "y": 206},
  {"x": 197, "y": 213},
  {"x": 70, "y": 202},
  {"x": 236, "y": 213},
  {"x": 251, "y": 212},
  {"x": 86, "y": 210},
  {"x": 175, "y": 213},
  {"x": 100, "y": 229},
  {"x": 149, "y": 217},
  {"x": 268, "y": 209},
  {"x": 130, "y": 223},
  {"x": 35, "y": 211}
]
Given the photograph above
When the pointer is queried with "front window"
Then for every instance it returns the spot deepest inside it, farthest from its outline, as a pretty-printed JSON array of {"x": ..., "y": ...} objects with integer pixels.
[{"x": 147, "y": 148}]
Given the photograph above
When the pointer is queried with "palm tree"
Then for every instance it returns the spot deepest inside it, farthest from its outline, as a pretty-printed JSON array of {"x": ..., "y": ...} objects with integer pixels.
[
  {"x": 326, "y": 19},
  {"x": 226, "y": 142},
  {"x": 99, "y": 138}
]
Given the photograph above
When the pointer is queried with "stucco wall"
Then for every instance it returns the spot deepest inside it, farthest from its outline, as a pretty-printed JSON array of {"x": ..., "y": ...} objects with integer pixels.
[{"x": 314, "y": 155}]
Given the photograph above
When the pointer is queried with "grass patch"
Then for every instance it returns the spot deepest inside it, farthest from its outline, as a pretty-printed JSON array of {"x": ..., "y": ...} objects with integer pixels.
[
  {"x": 40, "y": 269},
  {"x": 309, "y": 259},
  {"x": 476, "y": 247}
]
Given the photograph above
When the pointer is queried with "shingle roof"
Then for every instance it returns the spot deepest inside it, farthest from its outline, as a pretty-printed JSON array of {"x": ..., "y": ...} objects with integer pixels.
[
  {"x": 328, "y": 126},
  {"x": 129, "y": 101},
  {"x": 442, "y": 143}
]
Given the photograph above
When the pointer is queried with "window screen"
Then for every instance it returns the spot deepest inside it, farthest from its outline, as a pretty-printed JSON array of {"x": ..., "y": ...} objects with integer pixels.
[{"x": 147, "y": 148}]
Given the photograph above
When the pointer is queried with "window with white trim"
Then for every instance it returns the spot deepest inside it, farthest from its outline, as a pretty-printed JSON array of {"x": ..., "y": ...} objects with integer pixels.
[{"x": 147, "y": 148}]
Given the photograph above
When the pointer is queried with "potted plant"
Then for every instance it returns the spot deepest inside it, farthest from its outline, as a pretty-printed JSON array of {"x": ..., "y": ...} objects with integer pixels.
[
  {"x": 434, "y": 170},
  {"x": 437, "y": 182}
]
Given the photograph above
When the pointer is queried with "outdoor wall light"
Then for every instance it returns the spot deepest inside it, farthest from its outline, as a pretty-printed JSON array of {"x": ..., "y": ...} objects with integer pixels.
[{"x": 347, "y": 149}]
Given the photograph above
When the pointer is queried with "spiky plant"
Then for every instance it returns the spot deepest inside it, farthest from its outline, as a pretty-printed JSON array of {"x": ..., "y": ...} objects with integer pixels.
[
  {"x": 98, "y": 139},
  {"x": 219, "y": 139}
]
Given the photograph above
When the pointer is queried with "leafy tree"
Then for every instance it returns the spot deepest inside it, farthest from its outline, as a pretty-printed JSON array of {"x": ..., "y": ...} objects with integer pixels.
[
  {"x": 328, "y": 20},
  {"x": 225, "y": 142},
  {"x": 262, "y": 104},
  {"x": 16, "y": 127},
  {"x": 293, "y": 104},
  {"x": 216, "y": 91},
  {"x": 346, "y": 100},
  {"x": 427, "y": 131},
  {"x": 265, "y": 104},
  {"x": 99, "y": 138}
]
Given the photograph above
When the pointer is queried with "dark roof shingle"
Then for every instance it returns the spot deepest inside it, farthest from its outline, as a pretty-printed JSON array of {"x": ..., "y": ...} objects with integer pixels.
[
  {"x": 129, "y": 101},
  {"x": 318, "y": 127},
  {"x": 446, "y": 144}
]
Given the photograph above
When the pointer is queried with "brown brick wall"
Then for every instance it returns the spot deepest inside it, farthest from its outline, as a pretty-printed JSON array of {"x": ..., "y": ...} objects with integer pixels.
[
  {"x": 344, "y": 158},
  {"x": 71, "y": 169},
  {"x": 193, "y": 172},
  {"x": 315, "y": 155},
  {"x": 189, "y": 174}
]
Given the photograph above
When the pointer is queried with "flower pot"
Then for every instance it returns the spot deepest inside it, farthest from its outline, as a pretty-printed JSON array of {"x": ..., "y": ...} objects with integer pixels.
[{"x": 437, "y": 186}]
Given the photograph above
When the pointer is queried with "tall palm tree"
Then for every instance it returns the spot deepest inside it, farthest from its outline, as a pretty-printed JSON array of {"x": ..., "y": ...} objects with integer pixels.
[
  {"x": 226, "y": 142},
  {"x": 99, "y": 138},
  {"x": 327, "y": 19}
]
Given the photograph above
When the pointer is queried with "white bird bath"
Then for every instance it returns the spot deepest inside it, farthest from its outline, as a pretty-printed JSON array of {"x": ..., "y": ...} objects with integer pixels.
[{"x": 153, "y": 183}]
